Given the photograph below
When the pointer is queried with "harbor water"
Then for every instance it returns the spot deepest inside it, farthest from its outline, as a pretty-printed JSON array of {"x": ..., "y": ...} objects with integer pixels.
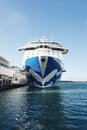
[{"x": 63, "y": 107}]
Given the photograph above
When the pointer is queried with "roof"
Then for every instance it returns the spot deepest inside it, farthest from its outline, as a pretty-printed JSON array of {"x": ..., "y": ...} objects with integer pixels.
[{"x": 2, "y": 58}]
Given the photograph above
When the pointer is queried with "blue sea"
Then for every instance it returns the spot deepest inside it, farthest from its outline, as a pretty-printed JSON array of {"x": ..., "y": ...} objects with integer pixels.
[{"x": 63, "y": 107}]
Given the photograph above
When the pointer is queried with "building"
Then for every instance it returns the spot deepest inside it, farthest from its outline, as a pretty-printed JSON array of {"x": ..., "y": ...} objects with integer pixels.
[
  {"x": 10, "y": 74},
  {"x": 5, "y": 77},
  {"x": 18, "y": 75}
]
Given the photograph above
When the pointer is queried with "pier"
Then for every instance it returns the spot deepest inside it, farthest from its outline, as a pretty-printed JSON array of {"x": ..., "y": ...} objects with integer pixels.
[{"x": 11, "y": 86}]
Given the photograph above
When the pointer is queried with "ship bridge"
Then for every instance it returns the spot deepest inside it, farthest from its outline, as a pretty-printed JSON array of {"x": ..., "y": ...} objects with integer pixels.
[{"x": 43, "y": 45}]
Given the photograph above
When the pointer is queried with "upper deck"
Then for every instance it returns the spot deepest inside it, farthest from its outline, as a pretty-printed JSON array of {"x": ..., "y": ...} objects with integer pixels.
[{"x": 43, "y": 45}]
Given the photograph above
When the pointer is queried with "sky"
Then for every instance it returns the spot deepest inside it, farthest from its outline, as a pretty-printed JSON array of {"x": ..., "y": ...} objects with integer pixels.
[{"x": 65, "y": 21}]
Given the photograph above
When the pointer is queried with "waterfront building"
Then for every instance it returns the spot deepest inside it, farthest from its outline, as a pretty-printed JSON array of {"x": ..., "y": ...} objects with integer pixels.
[
  {"x": 10, "y": 74},
  {"x": 18, "y": 75},
  {"x": 5, "y": 77}
]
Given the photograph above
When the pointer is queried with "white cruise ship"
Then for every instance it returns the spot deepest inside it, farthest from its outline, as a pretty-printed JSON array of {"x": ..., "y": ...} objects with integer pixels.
[{"x": 43, "y": 62}]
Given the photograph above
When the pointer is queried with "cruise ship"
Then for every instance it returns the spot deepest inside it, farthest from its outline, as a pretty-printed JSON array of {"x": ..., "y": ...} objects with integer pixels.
[{"x": 43, "y": 62}]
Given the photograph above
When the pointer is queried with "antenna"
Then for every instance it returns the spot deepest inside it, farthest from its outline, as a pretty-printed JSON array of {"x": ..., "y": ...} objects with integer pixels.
[
  {"x": 51, "y": 41},
  {"x": 51, "y": 38},
  {"x": 35, "y": 38}
]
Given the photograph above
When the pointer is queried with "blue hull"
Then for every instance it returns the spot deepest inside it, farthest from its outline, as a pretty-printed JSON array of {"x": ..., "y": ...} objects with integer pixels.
[{"x": 44, "y": 72}]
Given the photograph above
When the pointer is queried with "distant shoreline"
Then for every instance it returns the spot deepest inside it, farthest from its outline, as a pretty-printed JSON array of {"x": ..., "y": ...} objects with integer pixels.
[{"x": 72, "y": 81}]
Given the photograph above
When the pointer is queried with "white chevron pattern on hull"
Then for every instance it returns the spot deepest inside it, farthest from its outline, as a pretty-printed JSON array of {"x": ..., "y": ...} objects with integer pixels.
[
  {"x": 46, "y": 79},
  {"x": 44, "y": 71}
]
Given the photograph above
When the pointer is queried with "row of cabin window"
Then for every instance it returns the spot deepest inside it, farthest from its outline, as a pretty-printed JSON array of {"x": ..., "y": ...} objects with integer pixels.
[{"x": 32, "y": 48}]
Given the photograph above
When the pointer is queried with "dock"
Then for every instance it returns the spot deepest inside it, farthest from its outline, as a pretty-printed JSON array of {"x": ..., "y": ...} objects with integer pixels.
[{"x": 11, "y": 86}]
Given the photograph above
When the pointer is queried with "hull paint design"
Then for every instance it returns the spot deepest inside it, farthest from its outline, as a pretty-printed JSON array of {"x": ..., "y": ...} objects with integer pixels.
[{"x": 43, "y": 74}]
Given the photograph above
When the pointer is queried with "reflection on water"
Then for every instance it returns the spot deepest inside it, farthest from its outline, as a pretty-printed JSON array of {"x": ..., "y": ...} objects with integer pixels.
[
  {"x": 45, "y": 110},
  {"x": 31, "y": 109},
  {"x": 63, "y": 108}
]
